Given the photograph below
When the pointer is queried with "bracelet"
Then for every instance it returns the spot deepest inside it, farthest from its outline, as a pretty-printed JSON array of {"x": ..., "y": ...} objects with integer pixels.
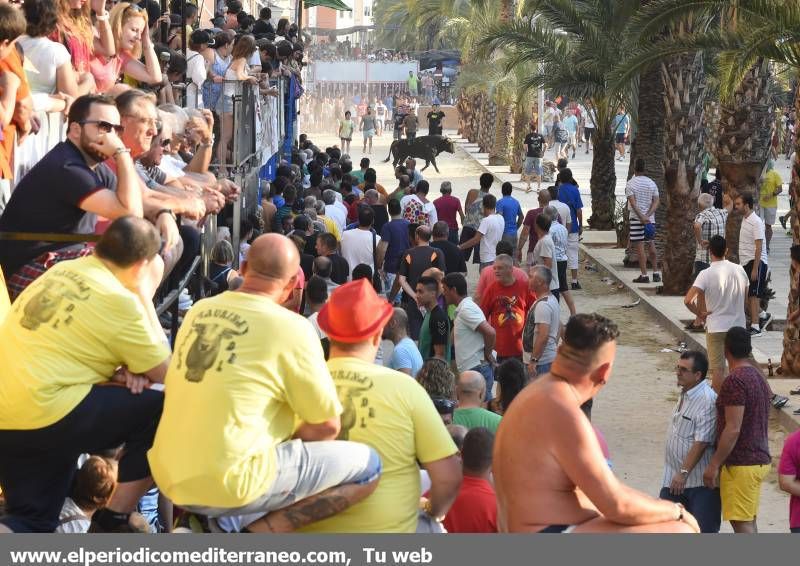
[
  {"x": 121, "y": 150},
  {"x": 103, "y": 18}
]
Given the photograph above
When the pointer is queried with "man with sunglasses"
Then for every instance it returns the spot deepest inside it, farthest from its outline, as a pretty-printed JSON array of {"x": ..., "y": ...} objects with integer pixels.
[{"x": 66, "y": 191}]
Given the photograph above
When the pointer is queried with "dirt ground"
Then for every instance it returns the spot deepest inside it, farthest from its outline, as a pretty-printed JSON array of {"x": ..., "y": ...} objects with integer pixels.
[{"x": 634, "y": 408}]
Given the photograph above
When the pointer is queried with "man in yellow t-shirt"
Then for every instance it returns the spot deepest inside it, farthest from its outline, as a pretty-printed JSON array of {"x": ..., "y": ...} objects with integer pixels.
[
  {"x": 82, "y": 326},
  {"x": 5, "y": 302},
  {"x": 389, "y": 411},
  {"x": 251, "y": 415},
  {"x": 771, "y": 187}
]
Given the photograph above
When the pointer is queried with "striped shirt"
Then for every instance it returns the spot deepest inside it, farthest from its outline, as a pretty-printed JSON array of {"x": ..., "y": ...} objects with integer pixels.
[
  {"x": 644, "y": 191},
  {"x": 693, "y": 420},
  {"x": 712, "y": 223}
]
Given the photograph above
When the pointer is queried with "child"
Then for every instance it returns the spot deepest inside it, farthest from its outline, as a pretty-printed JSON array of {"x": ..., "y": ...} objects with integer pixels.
[{"x": 94, "y": 484}]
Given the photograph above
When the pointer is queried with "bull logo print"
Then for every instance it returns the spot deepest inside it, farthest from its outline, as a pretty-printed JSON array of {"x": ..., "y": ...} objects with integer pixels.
[
  {"x": 206, "y": 346},
  {"x": 347, "y": 396},
  {"x": 509, "y": 315},
  {"x": 44, "y": 305}
]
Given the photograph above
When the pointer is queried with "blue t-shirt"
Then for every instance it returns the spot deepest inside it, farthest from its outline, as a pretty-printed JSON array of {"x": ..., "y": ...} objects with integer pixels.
[
  {"x": 510, "y": 208},
  {"x": 569, "y": 195},
  {"x": 406, "y": 355},
  {"x": 571, "y": 124},
  {"x": 621, "y": 123},
  {"x": 395, "y": 234}
]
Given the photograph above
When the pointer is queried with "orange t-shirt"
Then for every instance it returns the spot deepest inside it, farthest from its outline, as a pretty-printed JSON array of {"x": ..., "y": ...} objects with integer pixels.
[{"x": 12, "y": 64}]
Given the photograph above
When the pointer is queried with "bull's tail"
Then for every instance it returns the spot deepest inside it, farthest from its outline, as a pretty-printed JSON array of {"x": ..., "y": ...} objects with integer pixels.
[{"x": 391, "y": 150}]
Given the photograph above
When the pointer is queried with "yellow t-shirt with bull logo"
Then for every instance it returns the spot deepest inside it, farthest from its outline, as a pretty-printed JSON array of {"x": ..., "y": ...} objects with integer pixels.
[
  {"x": 243, "y": 368},
  {"x": 393, "y": 414},
  {"x": 70, "y": 329}
]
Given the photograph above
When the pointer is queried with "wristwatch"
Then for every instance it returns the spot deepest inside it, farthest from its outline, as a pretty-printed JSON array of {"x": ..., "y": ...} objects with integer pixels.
[
  {"x": 534, "y": 359},
  {"x": 684, "y": 472}
]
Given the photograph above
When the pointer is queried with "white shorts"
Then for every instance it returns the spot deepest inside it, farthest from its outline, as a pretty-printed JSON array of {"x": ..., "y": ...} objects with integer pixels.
[
  {"x": 768, "y": 215},
  {"x": 572, "y": 250}
]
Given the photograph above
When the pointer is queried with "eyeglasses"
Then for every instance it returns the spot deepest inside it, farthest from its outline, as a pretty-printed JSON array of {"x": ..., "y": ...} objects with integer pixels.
[
  {"x": 152, "y": 122},
  {"x": 103, "y": 126}
]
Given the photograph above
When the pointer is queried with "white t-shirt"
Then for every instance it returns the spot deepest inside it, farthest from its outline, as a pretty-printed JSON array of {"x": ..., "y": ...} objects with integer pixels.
[
  {"x": 196, "y": 75},
  {"x": 72, "y": 519},
  {"x": 335, "y": 213},
  {"x": 172, "y": 166},
  {"x": 492, "y": 228},
  {"x": 725, "y": 286},
  {"x": 546, "y": 248},
  {"x": 564, "y": 214},
  {"x": 752, "y": 229},
  {"x": 467, "y": 340},
  {"x": 357, "y": 247},
  {"x": 42, "y": 58},
  {"x": 644, "y": 190}
]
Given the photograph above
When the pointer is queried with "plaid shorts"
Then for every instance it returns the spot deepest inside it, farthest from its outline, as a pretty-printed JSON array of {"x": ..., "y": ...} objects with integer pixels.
[{"x": 32, "y": 270}]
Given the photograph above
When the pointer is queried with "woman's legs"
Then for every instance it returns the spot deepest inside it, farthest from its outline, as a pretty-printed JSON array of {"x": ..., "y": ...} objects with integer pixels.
[{"x": 226, "y": 135}]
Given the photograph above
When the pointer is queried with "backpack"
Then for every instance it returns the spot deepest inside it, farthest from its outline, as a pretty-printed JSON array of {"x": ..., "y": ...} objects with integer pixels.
[{"x": 414, "y": 212}]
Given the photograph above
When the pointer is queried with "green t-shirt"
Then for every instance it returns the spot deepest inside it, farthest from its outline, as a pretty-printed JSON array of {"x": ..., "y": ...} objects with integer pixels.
[
  {"x": 475, "y": 417},
  {"x": 435, "y": 330}
]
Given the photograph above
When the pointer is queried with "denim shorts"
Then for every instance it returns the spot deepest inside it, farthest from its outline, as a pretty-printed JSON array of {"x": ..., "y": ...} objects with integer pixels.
[
  {"x": 304, "y": 469},
  {"x": 225, "y": 105}
]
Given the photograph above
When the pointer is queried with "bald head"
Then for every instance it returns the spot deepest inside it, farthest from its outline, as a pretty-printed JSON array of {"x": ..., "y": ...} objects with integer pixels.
[
  {"x": 322, "y": 266},
  {"x": 397, "y": 327},
  {"x": 272, "y": 256},
  {"x": 470, "y": 389},
  {"x": 544, "y": 197}
]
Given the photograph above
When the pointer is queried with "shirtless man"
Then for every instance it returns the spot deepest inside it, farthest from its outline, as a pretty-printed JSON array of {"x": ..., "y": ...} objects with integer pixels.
[{"x": 572, "y": 489}]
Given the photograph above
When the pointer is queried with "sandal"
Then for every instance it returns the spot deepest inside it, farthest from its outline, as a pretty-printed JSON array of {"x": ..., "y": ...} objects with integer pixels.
[
  {"x": 795, "y": 391},
  {"x": 692, "y": 328}
]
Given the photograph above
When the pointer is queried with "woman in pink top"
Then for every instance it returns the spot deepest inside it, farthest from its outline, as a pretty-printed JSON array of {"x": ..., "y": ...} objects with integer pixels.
[
  {"x": 81, "y": 38},
  {"x": 132, "y": 38}
]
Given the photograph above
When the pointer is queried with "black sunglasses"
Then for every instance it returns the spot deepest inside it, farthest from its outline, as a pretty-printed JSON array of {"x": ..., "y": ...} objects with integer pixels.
[
  {"x": 444, "y": 406},
  {"x": 103, "y": 126}
]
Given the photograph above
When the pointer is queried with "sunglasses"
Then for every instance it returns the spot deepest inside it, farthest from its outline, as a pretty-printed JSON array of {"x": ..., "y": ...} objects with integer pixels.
[
  {"x": 166, "y": 143},
  {"x": 444, "y": 406},
  {"x": 103, "y": 126}
]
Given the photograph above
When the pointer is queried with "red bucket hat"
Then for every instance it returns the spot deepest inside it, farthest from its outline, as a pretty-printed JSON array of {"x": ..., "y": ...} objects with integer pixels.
[{"x": 354, "y": 313}]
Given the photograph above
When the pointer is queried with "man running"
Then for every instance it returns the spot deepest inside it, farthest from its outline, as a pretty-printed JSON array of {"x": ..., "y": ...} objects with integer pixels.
[{"x": 550, "y": 472}]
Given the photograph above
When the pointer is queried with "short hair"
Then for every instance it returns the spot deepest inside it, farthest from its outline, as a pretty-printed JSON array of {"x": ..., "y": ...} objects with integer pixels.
[
  {"x": 423, "y": 187},
  {"x": 12, "y": 22},
  {"x": 346, "y": 165},
  {"x": 446, "y": 188},
  {"x": 504, "y": 259},
  {"x": 234, "y": 6},
  {"x": 128, "y": 240},
  {"x": 440, "y": 229},
  {"x": 747, "y": 198},
  {"x": 322, "y": 266},
  {"x": 544, "y": 195},
  {"x": 639, "y": 165},
  {"x": 364, "y": 163},
  {"x": 328, "y": 240},
  {"x": 589, "y": 332},
  {"x": 542, "y": 272},
  {"x": 370, "y": 176},
  {"x": 95, "y": 482},
  {"x": 366, "y": 216},
  {"x": 506, "y": 189},
  {"x": 457, "y": 282},
  {"x": 429, "y": 283},
  {"x": 476, "y": 453},
  {"x": 130, "y": 98},
  {"x": 80, "y": 109},
  {"x": 705, "y": 200},
  {"x": 361, "y": 271},
  {"x": 551, "y": 212},
  {"x": 423, "y": 233},
  {"x": 699, "y": 361},
  {"x": 41, "y": 15},
  {"x": 457, "y": 433},
  {"x": 737, "y": 343},
  {"x": 794, "y": 253},
  {"x": 717, "y": 246},
  {"x": 328, "y": 196},
  {"x": 222, "y": 252},
  {"x": 562, "y": 163},
  {"x": 543, "y": 221},
  {"x": 265, "y": 14},
  {"x": 316, "y": 290},
  {"x": 486, "y": 180},
  {"x": 404, "y": 181},
  {"x": 394, "y": 207},
  {"x": 504, "y": 247},
  {"x": 512, "y": 379},
  {"x": 489, "y": 202},
  {"x": 301, "y": 222}
]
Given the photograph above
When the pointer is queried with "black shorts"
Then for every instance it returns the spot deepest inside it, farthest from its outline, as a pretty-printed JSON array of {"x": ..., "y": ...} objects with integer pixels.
[
  {"x": 588, "y": 133},
  {"x": 758, "y": 286},
  {"x": 620, "y": 138},
  {"x": 37, "y": 466},
  {"x": 563, "y": 287}
]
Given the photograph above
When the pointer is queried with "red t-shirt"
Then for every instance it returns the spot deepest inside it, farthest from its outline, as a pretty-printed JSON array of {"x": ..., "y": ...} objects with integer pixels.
[
  {"x": 447, "y": 207},
  {"x": 790, "y": 466},
  {"x": 505, "y": 309},
  {"x": 745, "y": 387},
  {"x": 488, "y": 277},
  {"x": 475, "y": 508},
  {"x": 530, "y": 222}
]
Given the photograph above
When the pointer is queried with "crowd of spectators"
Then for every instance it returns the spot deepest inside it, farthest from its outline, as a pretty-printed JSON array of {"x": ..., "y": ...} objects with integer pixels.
[{"x": 346, "y": 51}]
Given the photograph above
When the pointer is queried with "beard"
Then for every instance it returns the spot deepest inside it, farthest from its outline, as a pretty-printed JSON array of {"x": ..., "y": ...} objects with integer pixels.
[{"x": 91, "y": 152}]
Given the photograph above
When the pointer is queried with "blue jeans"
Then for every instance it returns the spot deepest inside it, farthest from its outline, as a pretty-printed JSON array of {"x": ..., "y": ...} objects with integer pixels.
[
  {"x": 542, "y": 369},
  {"x": 702, "y": 502},
  {"x": 304, "y": 469},
  {"x": 488, "y": 374},
  {"x": 452, "y": 235}
]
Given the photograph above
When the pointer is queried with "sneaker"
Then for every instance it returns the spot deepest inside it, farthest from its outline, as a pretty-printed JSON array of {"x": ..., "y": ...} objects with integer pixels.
[
  {"x": 642, "y": 279},
  {"x": 656, "y": 278},
  {"x": 576, "y": 286},
  {"x": 754, "y": 332},
  {"x": 783, "y": 221},
  {"x": 763, "y": 321},
  {"x": 779, "y": 401}
]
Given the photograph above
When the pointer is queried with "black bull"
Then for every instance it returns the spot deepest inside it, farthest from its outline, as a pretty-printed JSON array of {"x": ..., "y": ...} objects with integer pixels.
[{"x": 423, "y": 147}]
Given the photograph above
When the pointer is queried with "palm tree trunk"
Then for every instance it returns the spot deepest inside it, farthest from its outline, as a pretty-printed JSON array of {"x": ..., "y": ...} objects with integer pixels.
[
  {"x": 603, "y": 181},
  {"x": 521, "y": 119},
  {"x": 504, "y": 123},
  {"x": 684, "y": 100},
  {"x": 745, "y": 135},
  {"x": 790, "y": 362}
]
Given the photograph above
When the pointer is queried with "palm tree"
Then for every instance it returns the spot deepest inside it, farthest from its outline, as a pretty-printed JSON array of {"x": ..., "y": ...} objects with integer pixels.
[{"x": 577, "y": 45}]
